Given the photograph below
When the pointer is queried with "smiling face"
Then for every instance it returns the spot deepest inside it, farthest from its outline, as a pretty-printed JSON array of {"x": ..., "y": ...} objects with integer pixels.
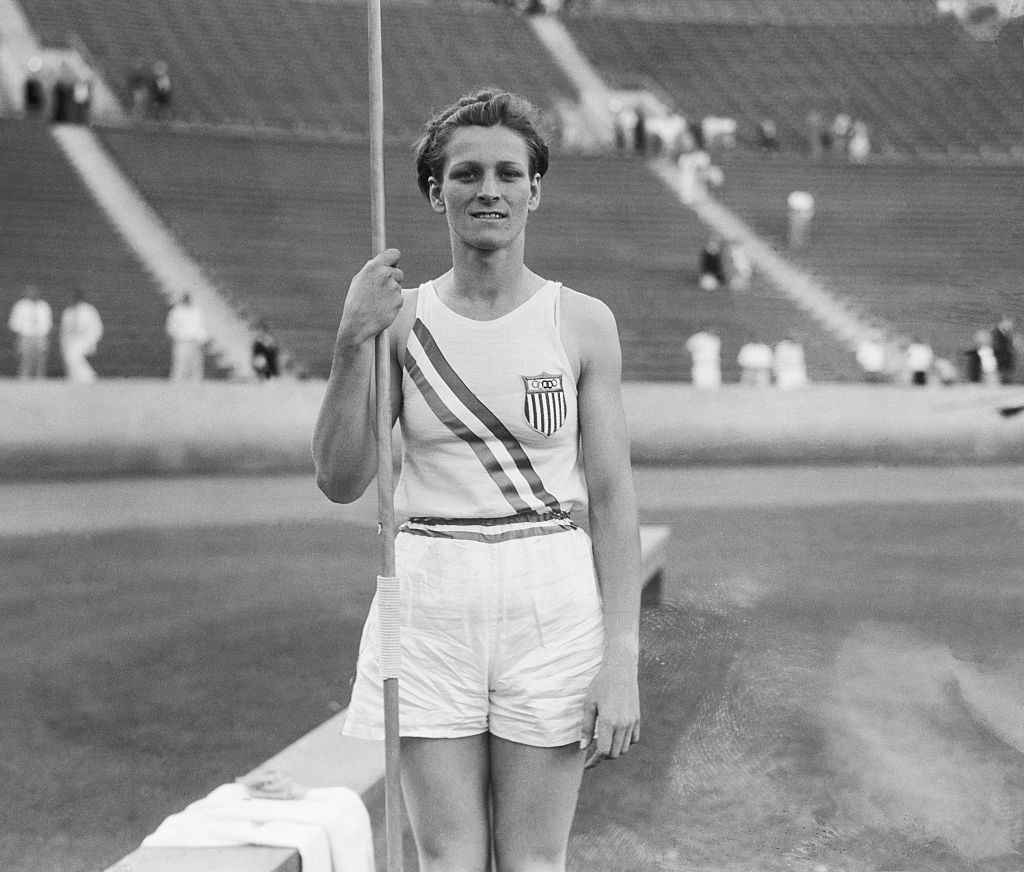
[{"x": 486, "y": 190}]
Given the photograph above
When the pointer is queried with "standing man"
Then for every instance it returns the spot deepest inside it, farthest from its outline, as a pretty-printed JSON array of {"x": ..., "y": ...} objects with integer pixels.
[
  {"x": 81, "y": 329},
  {"x": 789, "y": 364},
  {"x": 871, "y": 357},
  {"x": 187, "y": 328},
  {"x": 264, "y": 353},
  {"x": 31, "y": 320},
  {"x": 705, "y": 353},
  {"x": 1004, "y": 348},
  {"x": 801, "y": 211},
  {"x": 755, "y": 360},
  {"x": 919, "y": 360}
]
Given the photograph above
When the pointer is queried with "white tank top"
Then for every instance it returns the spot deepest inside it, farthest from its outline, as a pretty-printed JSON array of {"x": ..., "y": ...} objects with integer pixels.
[{"x": 489, "y": 416}]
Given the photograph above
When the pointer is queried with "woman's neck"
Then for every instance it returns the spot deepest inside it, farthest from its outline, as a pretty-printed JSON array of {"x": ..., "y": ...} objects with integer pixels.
[{"x": 489, "y": 284}]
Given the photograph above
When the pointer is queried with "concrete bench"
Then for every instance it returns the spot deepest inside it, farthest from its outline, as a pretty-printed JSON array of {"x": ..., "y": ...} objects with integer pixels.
[
  {"x": 653, "y": 557},
  {"x": 325, "y": 758}
]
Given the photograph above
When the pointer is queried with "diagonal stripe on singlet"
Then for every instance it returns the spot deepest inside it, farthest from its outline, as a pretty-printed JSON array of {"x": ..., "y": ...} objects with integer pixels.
[
  {"x": 486, "y": 417},
  {"x": 453, "y": 423}
]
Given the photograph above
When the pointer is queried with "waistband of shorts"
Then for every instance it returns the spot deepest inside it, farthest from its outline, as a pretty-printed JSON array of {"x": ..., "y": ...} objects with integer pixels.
[{"x": 519, "y": 526}]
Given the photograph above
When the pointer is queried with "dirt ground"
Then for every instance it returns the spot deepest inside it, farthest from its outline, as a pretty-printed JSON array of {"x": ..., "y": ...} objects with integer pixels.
[{"x": 835, "y": 680}]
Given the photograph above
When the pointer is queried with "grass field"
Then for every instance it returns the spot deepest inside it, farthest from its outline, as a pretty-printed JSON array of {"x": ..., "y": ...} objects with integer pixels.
[{"x": 825, "y": 687}]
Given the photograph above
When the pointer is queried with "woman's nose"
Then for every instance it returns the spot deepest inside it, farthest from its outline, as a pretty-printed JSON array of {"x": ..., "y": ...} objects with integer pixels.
[{"x": 488, "y": 188}]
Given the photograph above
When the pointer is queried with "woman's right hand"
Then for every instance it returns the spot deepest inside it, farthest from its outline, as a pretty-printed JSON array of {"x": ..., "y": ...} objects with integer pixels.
[{"x": 374, "y": 298}]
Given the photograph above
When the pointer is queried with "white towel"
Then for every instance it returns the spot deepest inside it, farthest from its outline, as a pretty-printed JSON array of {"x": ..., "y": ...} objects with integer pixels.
[{"x": 328, "y": 826}]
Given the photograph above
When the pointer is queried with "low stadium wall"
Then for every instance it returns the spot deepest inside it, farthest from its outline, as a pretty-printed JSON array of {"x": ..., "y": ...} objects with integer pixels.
[{"x": 53, "y": 429}]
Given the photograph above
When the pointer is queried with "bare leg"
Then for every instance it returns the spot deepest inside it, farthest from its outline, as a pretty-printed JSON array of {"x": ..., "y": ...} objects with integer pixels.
[
  {"x": 445, "y": 786},
  {"x": 535, "y": 792}
]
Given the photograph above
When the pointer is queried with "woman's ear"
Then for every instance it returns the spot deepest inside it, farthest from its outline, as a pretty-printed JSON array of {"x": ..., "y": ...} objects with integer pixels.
[
  {"x": 435, "y": 195},
  {"x": 534, "y": 191}
]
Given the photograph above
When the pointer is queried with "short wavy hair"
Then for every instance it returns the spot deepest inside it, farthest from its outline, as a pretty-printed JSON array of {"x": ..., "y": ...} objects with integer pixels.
[{"x": 490, "y": 107}]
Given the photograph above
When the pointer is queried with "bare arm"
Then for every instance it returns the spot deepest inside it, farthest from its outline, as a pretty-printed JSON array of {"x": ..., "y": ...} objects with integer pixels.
[
  {"x": 344, "y": 441},
  {"x": 612, "y": 717}
]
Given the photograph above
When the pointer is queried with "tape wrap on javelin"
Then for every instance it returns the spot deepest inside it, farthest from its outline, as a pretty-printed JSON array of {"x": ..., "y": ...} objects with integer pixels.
[{"x": 389, "y": 651}]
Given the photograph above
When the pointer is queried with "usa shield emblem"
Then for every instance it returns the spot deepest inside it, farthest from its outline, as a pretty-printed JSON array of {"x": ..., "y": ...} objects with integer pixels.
[{"x": 544, "y": 406}]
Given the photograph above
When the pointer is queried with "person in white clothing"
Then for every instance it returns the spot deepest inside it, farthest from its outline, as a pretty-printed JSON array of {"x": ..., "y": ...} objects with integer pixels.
[
  {"x": 31, "y": 321},
  {"x": 988, "y": 365},
  {"x": 800, "y": 205},
  {"x": 705, "y": 359},
  {"x": 919, "y": 359},
  {"x": 696, "y": 172},
  {"x": 187, "y": 328},
  {"x": 789, "y": 364},
  {"x": 81, "y": 329},
  {"x": 870, "y": 356},
  {"x": 519, "y": 634},
  {"x": 755, "y": 360}
]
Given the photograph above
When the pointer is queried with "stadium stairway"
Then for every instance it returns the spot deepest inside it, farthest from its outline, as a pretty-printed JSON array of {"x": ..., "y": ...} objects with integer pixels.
[{"x": 593, "y": 94}]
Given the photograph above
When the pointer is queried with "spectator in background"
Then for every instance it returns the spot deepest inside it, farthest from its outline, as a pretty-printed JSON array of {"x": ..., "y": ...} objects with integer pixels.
[
  {"x": 63, "y": 95},
  {"x": 945, "y": 372},
  {"x": 705, "y": 355},
  {"x": 264, "y": 354},
  {"x": 640, "y": 132},
  {"x": 81, "y": 100},
  {"x": 871, "y": 357},
  {"x": 72, "y": 96},
  {"x": 982, "y": 366},
  {"x": 842, "y": 125},
  {"x": 919, "y": 359},
  {"x": 755, "y": 360},
  {"x": 718, "y": 131},
  {"x": 161, "y": 91},
  {"x": 187, "y": 328},
  {"x": 31, "y": 321},
  {"x": 768, "y": 136},
  {"x": 712, "y": 263},
  {"x": 800, "y": 205},
  {"x": 789, "y": 364},
  {"x": 696, "y": 172},
  {"x": 34, "y": 94},
  {"x": 740, "y": 270},
  {"x": 624, "y": 121},
  {"x": 1004, "y": 346},
  {"x": 80, "y": 332},
  {"x": 138, "y": 89},
  {"x": 665, "y": 134},
  {"x": 859, "y": 146},
  {"x": 972, "y": 357}
]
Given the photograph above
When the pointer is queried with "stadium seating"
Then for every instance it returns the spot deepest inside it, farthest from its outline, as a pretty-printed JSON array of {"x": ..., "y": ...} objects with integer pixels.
[
  {"x": 55, "y": 236},
  {"x": 929, "y": 249},
  {"x": 922, "y": 88},
  {"x": 283, "y": 224},
  {"x": 919, "y": 81},
  {"x": 301, "y": 65},
  {"x": 266, "y": 186},
  {"x": 762, "y": 12}
]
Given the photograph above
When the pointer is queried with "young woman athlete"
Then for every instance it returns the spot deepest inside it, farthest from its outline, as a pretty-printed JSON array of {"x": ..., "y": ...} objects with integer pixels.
[{"x": 519, "y": 637}]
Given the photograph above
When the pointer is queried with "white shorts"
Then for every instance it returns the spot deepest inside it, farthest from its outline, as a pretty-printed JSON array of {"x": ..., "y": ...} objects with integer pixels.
[{"x": 501, "y": 632}]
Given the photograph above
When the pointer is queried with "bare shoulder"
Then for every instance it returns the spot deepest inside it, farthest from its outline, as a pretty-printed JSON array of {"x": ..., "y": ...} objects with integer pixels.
[{"x": 589, "y": 331}]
